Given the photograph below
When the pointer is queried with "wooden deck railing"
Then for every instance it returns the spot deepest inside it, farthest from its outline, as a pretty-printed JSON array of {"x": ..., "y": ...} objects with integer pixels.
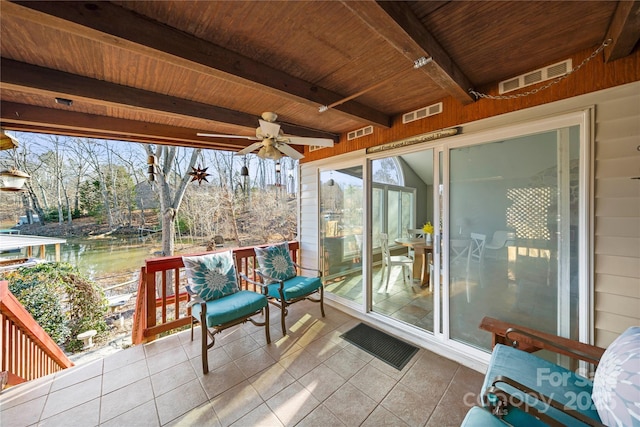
[
  {"x": 161, "y": 303},
  {"x": 28, "y": 352}
]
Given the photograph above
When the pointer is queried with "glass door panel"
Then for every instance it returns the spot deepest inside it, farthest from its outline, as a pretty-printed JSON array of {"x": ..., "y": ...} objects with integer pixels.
[
  {"x": 341, "y": 228},
  {"x": 513, "y": 240},
  {"x": 400, "y": 194}
]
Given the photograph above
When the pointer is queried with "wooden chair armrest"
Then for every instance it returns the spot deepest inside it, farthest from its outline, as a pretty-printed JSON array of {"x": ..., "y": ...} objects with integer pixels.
[{"x": 530, "y": 340}]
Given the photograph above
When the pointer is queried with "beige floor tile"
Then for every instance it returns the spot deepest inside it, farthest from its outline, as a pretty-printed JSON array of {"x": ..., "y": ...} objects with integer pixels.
[
  {"x": 161, "y": 345},
  {"x": 461, "y": 395},
  {"x": 254, "y": 362},
  {"x": 322, "y": 382},
  {"x": 323, "y": 348},
  {"x": 259, "y": 417},
  {"x": 144, "y": 415},
  {"x": 358, "y": 352},
  {"x": 217, "y": 358},
  {"x": 240, "y": 347},
  {"x": 320, "y": 417},
  {"x": 124, "y": 357},
  {"x": 271, "y": 381},
  {"x": 373, "y": 382},
  {"x": 431, "y": 369},
  {"x": 165, "y": 360},
  {"x": 169, "y": 379},
  {"x": 408, "y": 405},
  {"x": 25, "y": 392},
  {"x": 71, "y": 396},
  {"x": 345, "y": 363},
  {"x": 235, "y": 403},
  {"x": 85, "y": 415},
  {"x": 299, "y": 363},
  {"x": 222, "y": 379},
  {"x": 179, "y": 401},
  {"x": 76, "y": 374},
  {"x": 124, "y": 399},
  {"x": 292, "y": 404},
  {"x": 381, "y": 417},
  {"x": 124, "y": 375},
  {"x": 350, "y": 405},
  {"x": 282, "y": 347},
  {"x": 24, "y": 414},
  {"x": 202, "y": 416}
]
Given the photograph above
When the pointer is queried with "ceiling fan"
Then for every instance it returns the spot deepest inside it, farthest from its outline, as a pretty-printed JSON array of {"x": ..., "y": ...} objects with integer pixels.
[{"x": 273, "y": 144}]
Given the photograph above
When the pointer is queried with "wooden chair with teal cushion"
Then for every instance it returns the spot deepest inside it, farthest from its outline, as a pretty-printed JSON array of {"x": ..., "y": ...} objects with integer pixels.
[
  {"x": 284, "y": 286},
  {"x": 217, "y": 302}
]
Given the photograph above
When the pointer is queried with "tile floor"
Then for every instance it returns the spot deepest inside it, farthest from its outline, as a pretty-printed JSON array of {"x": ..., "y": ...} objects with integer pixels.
[{"x": 311, "y": 377}]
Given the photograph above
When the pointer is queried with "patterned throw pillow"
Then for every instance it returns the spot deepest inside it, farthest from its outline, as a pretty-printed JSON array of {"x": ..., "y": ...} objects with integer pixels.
[
  {"x": 211, "y": 276},
  {"x": 275, "y": 261},
  {"x": 616, "y": 385}
]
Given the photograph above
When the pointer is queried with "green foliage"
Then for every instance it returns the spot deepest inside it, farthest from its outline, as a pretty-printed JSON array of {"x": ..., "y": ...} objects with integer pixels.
[
  {"x": 62, "y": 300},
  {"x": 51, "y": 215},
  {"x": 90, "y": 200}
]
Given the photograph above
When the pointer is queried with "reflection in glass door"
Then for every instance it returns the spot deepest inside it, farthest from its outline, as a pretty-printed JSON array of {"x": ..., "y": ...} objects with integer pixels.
[
  {"x": 514, "y": 234},
  {"x": 401, "y": 203},
  {"x": 341, "y": 219}
]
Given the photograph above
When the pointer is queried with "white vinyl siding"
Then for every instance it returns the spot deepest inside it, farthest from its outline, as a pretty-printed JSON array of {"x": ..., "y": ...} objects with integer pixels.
[{"x": 617, "y": 215}]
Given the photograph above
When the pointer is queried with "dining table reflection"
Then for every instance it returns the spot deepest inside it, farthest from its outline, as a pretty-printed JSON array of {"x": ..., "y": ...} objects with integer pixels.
[{"x": 422, "y": 249}]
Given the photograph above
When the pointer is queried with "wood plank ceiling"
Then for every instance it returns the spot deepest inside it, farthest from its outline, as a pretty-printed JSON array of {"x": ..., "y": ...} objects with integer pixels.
[{"x": 161, "y": 71}]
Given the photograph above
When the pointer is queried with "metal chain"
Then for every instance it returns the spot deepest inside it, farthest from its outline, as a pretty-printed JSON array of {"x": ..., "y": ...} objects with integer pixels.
[{"x": 479, "y": 95}]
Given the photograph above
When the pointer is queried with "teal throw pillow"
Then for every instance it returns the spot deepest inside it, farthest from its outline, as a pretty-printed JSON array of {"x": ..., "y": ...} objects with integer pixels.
[
  {"x": 275, "y": 261},
  {"x": 211, "y": 276}
]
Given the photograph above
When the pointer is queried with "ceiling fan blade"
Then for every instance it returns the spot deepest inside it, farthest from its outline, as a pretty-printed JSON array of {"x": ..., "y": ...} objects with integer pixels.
[
  {"x": 299, "y": 140},
  {"x": 250, "y": 148},
  {"x": 222, "y": 135},
  {"x": 289, "y": 151},
  {"x": 269, "y": 128}
]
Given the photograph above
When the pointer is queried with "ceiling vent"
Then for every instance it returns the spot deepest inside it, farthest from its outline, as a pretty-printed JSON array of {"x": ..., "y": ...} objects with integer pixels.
[
  {"x": 537, "y": 76},
  {"x": 315, "y": 147},
  {"x": 431, "y": 110},
  {"x": 368, "y": 130}
]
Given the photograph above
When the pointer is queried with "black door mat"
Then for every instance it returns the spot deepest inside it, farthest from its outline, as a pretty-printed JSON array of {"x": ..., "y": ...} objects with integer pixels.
[{"x": 389, "y": 349}]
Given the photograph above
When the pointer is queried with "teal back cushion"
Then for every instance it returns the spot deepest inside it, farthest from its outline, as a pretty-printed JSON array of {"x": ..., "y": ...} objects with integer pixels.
[
  {"x": 275, "y": 261},
  {"x": 211, "y": 276}
]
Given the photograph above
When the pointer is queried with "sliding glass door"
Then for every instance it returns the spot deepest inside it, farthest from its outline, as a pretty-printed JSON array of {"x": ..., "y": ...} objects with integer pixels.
[
  {"x": 341, "y": 230},
  {"x": 514, "y": 234}
]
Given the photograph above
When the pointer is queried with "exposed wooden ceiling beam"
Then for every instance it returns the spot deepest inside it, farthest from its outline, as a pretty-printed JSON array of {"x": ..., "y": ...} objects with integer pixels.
[
  {"x": 52, "y": 83},
  {"x": 397, "y": 24},
  {"x": 624, "y": 30},
  {"x": 118, "y": 27},
  {"x": 29, "y": 118}
]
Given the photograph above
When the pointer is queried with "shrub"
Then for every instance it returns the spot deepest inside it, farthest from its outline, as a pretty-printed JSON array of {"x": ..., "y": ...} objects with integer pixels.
[{"x": 62, "y": 300}]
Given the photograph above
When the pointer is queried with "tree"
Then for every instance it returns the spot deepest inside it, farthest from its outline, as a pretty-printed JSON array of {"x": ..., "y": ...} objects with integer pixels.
[{"x": 172, "y": 174}]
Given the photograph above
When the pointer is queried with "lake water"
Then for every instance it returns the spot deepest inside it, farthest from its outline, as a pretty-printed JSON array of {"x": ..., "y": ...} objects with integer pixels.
[{"x": 108, "y": 257}]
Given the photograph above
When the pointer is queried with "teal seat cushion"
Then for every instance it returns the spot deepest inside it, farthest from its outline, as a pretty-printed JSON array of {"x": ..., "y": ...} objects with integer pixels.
[
  {"x": 296, "y": 287},
  {"x": 479, "y": 417},
  {"x": 211, "y": 276},
  {"x": 275, "y": 262},
  {"x": 545, "y": 377},
  {"x": 230, "y": 307}
]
